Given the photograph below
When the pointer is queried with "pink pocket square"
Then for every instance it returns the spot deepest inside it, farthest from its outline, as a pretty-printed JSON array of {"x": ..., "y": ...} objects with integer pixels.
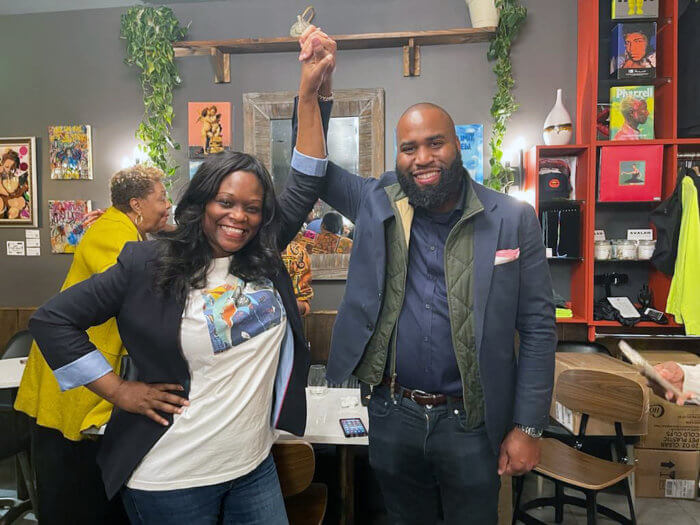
[{"x": 506, "y": 256}]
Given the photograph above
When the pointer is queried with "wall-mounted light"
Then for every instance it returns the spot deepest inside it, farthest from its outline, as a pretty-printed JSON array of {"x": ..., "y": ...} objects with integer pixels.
[{"x": 138, "y": 156}]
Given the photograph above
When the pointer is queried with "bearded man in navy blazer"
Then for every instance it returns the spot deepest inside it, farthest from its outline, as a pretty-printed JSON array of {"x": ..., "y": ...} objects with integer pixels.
[{"x": 443, "y": 273}]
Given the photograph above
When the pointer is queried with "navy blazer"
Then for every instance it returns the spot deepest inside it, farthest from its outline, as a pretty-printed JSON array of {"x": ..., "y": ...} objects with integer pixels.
[
  {"x": 149, "y": 325},
  {"x": 516, "y": 296}
]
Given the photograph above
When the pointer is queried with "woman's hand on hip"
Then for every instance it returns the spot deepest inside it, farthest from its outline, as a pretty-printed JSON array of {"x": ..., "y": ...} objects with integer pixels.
[{"x": 140, "y": 398}]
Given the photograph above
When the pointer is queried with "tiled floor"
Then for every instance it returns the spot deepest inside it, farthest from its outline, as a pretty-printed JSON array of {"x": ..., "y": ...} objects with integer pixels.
[{"x": 649, "y": 511}]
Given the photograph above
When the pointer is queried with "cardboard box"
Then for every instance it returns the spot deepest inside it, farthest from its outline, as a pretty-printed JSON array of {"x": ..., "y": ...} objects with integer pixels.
[
  {"x": 661, "y": 356},
  {"x": 670, "y": 426},
  {"x": 571, "y": 419},
  {"x": 631, "y": 9},
  {"x": 666, "y": 473}
]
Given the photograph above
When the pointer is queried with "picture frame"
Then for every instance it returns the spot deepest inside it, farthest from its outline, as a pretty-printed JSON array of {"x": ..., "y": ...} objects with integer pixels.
[
  {"x": 18, "y": 183},
  {"x": 70, "y": 152},
  {"x": 209, "y": 128},
  {"x": 355, "y": 142},
  {"x": 630, "y": 173}
]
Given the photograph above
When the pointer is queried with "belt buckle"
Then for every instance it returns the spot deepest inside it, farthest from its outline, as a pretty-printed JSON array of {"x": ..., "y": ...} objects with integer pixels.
[{"x": 421, "y": 393}]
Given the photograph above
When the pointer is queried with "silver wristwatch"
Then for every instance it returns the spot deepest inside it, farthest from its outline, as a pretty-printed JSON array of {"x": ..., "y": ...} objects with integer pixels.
[{"x": 534, "y": 432}]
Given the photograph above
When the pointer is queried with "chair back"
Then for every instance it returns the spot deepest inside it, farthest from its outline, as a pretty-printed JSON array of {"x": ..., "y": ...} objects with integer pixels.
[
  {"x": 582, "y": 347},
  {"x": 295, "y": 465},
  {"x": 18, "y": 345},
  {"x": 600, "y": 394}
]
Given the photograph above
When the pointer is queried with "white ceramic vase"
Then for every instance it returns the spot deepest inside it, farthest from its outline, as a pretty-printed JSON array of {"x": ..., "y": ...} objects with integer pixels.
[
  {"x": 482, "y": 13},
  {"x": 558, "y": 129}
]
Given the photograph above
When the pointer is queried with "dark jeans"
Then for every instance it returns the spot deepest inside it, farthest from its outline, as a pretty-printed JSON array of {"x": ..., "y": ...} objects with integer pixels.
[
  {"x": 428, "y": 466},
  {"x": 255, "y": 498},
  {"x": 69, "y": 482}
]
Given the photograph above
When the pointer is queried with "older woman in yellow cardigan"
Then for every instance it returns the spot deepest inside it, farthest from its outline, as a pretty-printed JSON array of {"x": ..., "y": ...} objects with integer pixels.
[{"x": 70, "y": 488}]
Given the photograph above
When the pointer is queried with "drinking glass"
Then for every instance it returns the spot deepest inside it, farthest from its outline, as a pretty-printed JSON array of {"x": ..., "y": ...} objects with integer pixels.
[{"x": 318, "y": 386}]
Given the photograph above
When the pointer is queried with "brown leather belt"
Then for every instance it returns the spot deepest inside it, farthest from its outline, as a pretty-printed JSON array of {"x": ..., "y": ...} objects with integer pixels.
[{"x": 419, "y": 397}]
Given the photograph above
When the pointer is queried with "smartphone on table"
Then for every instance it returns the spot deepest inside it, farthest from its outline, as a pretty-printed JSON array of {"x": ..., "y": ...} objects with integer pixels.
[{"x": 353, "y": 427}]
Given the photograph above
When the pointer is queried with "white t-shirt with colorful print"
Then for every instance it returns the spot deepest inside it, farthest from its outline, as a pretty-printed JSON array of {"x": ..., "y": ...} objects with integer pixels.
[{"x": 231, "y": 334}]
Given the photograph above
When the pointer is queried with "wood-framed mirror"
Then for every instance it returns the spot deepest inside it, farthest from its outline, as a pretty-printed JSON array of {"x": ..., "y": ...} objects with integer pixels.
[{"x": 355, "y": 142}]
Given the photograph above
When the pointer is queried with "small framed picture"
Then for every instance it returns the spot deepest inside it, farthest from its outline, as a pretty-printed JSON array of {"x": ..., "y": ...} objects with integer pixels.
[{"x": 18, "y": 203}]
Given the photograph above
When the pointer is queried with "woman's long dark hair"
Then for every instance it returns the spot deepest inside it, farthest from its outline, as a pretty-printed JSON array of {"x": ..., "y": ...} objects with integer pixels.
[{"x": 185, "y": 254}]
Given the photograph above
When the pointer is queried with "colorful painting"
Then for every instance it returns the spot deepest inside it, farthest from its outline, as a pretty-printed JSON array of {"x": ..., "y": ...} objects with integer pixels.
[
  {"x": 471, "y": 144},
  {"x": 238, "y": 312},
  {"x": 65, "y": 224},
  {"x": 18, "y": 204},
  {"x": 70, "y": 152},
  {"x": 209, "y": 128}
]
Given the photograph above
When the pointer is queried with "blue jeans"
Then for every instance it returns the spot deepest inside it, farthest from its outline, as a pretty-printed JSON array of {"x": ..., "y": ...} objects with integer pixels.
[
  {"x": 255, "y": 498},
  {"x": 429, "y": 467}
]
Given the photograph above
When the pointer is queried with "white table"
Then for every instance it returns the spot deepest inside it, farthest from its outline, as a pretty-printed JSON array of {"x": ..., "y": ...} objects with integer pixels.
[
  {"x": 323, "y": 427},
  {"x": 11, "y": 371},
  {"x": 324, "y": 414}
]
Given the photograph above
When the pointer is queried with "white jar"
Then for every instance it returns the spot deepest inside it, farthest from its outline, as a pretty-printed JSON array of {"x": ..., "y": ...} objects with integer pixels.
[
  {"x": 645, "y": 249},
  {"x": 626, "y": 250},
  {"x": 603, "y": 250}
]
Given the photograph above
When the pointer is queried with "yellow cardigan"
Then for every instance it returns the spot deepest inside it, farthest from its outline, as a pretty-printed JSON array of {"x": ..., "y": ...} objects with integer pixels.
[{"x": 39, "y": 395}]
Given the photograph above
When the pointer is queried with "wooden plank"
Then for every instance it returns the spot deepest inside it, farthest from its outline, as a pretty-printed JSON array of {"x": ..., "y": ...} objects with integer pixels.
[
  {"x": 356, "y": 41},
  {"x": 318, "y": 328},
  {"x": 221, "y": 62},
  {"x": 411, "y": 59},
  {"x": 23, "y": 315}
]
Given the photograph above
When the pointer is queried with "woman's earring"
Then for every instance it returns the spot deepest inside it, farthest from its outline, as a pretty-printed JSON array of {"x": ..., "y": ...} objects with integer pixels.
[{"x": 139, "y": 219}]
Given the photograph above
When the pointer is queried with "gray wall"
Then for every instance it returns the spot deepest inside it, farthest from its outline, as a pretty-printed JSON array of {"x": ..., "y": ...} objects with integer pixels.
[{"x": 63, "y": 68}]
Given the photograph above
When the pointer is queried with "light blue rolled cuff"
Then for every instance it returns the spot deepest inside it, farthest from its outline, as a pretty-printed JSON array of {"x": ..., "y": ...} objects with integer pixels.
[
  {"x": 82, "y": 371},
  {"x": 309, "y": 165}
]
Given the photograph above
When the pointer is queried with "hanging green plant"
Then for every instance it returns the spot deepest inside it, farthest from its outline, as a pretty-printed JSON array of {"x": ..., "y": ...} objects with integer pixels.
[
  {"x": 149, "y": 33},
  {"x": 512, "y": 15}
]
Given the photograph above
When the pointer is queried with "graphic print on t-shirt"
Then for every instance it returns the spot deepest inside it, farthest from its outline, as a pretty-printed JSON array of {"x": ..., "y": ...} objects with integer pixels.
[{"x": 238, "y": 312}]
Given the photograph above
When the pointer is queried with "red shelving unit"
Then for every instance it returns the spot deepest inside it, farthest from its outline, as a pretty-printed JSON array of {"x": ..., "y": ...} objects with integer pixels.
[{"x": 592, "y": 87}]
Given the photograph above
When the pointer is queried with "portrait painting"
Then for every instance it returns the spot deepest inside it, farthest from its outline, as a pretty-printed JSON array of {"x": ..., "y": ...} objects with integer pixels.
[{"x": 18, "y": 201}]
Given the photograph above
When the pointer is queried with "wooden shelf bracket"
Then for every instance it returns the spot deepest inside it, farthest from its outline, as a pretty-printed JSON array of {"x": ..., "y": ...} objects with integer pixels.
[
  {"x": 411, "y": 59},
  {"x": 221, "y": 62}
]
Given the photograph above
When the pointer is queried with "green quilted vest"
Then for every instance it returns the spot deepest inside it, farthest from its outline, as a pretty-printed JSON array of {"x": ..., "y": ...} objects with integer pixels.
[{"x": 459, "y": 262}]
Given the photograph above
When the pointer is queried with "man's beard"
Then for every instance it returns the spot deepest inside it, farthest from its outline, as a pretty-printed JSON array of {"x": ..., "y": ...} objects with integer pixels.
[{"x": 435, "y": 196}]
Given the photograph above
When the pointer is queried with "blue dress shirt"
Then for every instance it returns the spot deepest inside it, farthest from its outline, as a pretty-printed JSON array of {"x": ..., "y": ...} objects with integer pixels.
[{"x": 425, "y": 356}]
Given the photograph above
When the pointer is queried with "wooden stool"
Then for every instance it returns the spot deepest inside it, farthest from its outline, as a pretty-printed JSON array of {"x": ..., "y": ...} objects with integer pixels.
[
  {"x": 606, "y": 396},
  {"x": 304, "y": 501}
]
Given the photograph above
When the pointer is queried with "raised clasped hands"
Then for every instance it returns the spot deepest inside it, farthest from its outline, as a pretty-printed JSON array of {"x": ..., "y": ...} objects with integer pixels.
[{"x": 317, "y": 56}]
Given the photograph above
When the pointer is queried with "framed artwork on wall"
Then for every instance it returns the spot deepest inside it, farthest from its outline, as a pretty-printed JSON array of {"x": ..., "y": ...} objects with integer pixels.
[
  {"x": 70, "y": 152},
  {"x": 355, "y": 142},
  {"x": 209, "y": 128},
  {"x": 18, "y": 201},
  {"x": 65, "y": 224}
]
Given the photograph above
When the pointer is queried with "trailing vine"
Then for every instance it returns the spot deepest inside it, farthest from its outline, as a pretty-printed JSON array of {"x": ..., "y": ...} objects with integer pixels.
[
  {"x": 149, "y": 33},
  {"x": 511, "y": 18}
]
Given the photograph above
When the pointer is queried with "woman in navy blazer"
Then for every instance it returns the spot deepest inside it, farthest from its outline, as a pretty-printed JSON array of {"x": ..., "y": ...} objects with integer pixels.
[{"x": 147, "y": 290}]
